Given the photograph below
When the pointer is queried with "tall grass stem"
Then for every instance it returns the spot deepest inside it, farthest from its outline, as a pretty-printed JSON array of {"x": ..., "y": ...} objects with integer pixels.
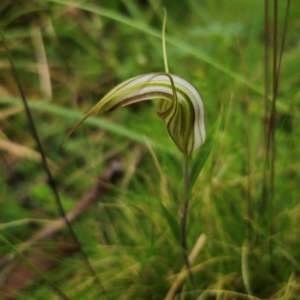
[
  {"x": 248, "y": 146},
  {"x": 164, "y": 41},
  {"x": 59, "y": 292},
  {"x": 52, "y": 183},
  {"x": 183, "y": 216}
]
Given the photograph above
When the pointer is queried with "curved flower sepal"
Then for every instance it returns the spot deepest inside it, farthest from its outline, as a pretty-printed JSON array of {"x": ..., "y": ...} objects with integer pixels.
[{"x": 180, "y": 106}]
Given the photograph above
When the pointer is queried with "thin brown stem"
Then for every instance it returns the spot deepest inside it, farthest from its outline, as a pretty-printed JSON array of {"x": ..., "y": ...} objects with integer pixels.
[
  {"x": 183, "y": 217},
  {"x": 51, "y": 181},
  {"x": 276, "y": 75}
]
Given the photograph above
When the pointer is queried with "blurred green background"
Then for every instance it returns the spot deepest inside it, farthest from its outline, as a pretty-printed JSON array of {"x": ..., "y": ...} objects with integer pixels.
[{"x": 68, "y": 54}]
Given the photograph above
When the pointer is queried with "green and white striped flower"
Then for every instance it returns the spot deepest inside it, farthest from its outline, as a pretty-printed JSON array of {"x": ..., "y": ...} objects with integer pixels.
[{"x": 180, "y": 106}]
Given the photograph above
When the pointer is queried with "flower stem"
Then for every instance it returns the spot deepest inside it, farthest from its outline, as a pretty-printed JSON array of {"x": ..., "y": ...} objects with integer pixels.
[{"x": 183, "y": 216}]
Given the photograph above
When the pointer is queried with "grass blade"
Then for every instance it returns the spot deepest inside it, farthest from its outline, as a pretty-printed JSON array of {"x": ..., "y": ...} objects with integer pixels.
[
  {"x": 44, "y": 159},
  {"x": 203, "y": 153},
  {"x": 23, "y": 257},
  {"x": 172, "y": 222},
  {"x": 73, "y": 115}
]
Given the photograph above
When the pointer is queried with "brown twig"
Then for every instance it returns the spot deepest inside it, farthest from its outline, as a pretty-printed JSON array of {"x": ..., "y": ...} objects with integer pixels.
[{"x": 111, "y": 174}]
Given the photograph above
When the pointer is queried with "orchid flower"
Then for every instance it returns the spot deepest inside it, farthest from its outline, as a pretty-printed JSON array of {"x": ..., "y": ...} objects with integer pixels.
[{"x": 180, "y": 106}]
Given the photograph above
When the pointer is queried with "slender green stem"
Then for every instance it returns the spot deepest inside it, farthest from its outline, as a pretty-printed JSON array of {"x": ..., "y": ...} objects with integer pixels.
[
  {"x": 183, "y": 216},
  {"x": 186, "y": 177},
  {"x": 164, "y": 41}
]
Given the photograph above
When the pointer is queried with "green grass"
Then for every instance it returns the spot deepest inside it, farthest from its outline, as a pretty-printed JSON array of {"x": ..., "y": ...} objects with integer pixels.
[{"x": 90, "y": 48}]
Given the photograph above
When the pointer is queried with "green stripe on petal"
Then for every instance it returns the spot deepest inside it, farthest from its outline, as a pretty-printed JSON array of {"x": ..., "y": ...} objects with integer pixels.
[{"x": 180, "y": 106}]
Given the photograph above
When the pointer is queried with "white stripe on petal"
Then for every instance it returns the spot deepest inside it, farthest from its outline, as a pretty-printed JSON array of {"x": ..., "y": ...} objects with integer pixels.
[{"x": 181, "y": 107}]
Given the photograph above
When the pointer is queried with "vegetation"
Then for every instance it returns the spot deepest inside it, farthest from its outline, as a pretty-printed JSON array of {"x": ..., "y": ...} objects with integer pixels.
[{"x": 243, "y": 220}]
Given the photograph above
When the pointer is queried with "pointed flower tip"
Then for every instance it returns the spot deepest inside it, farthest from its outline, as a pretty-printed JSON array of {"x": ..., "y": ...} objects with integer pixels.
[{"x": 180, "y": 106}]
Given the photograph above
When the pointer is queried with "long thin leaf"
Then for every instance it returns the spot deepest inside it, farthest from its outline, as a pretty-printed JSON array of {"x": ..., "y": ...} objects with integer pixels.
[
  {"x": 73, "y": 115},
  {"x": 183, "y": 46},
  {"x": 40, "y": 273},
  {"x": 173, "y": 223},
  {"x": 203, "y": 153},
  {"x": 36, "y": 137}
]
